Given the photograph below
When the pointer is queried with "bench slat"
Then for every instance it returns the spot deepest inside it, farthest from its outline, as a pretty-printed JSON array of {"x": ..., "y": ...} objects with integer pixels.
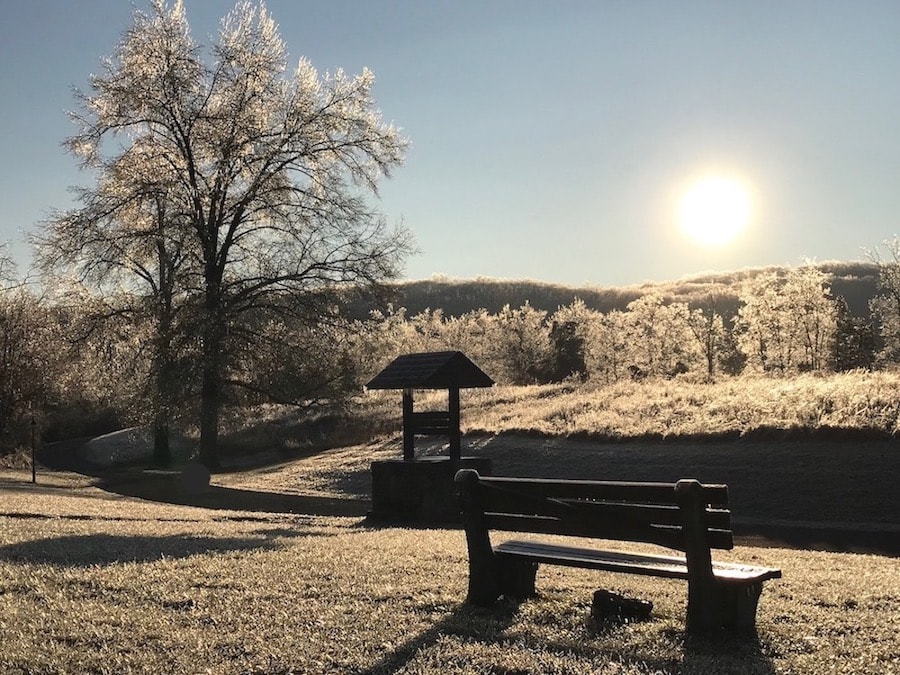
[
  {"x": 430, "y": 431},
  {"x": 658, "y": 514},
  {"x": 658, "y": 566},
  {"x": 650, "y": 493},
  {"x": 633, "y": 563},
  {"x": 431, "y": 418},
  {"x": 670, "y": 536}
]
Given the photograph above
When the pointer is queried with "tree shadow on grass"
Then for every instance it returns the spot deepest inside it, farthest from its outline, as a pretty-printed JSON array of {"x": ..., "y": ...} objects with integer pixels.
[
  {"x": 109, "y": 549},
  {"x": 169, "y": 488}
]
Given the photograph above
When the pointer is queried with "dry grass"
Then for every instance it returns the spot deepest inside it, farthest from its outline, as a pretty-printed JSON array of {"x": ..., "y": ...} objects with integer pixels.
[
  {"x": 91, "y": 582},
  {"x": 857, "y": 401},
  {"x": 96, "y": 582}
]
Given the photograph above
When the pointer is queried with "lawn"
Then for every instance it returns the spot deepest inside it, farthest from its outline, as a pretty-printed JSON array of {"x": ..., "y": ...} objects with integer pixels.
[
  {"x": 285, "y": 576},
  {"x": 96, "y": 582}
]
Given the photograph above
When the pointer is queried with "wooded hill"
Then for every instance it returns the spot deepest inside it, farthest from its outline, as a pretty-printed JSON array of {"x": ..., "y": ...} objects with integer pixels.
[{"x": 856, "y": 282}]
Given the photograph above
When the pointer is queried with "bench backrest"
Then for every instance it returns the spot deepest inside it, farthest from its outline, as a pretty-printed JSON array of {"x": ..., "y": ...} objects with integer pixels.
[{"x": 666, "y": 514}]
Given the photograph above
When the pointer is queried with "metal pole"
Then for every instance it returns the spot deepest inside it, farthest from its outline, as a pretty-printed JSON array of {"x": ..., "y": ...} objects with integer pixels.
[{"x": 33, "y": 468}]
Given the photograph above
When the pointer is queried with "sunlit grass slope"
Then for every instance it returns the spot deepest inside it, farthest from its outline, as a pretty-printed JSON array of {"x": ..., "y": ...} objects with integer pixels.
[
  {"x": 837, "y": 405},
  {"x": 855, "y": 401}
]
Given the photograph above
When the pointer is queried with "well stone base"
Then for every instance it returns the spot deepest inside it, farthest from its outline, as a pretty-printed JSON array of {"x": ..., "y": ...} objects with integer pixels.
[{"x": 419, "y": 490}]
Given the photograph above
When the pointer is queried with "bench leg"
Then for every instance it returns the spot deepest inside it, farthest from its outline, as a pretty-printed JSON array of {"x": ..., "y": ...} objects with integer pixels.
[
  {"x": 484, "y": 582},
  {"x": 517, "y": 577},
  {"x": 702, "y": 608},
  {"x": 728, "y": 606},
  {"x": 496, "y": 576},
  {"x": 738, "y": 606}
]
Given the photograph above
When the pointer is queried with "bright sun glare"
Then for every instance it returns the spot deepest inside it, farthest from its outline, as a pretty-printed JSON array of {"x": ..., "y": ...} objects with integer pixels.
[{"x": 714, "y": 210}]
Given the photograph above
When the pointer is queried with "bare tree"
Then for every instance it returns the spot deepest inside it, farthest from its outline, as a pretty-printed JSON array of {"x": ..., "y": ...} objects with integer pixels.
[
  {"x": 130, "y": 241},
  {"x": 7, "y": 267},
  {"x": 267, "y": 174}
]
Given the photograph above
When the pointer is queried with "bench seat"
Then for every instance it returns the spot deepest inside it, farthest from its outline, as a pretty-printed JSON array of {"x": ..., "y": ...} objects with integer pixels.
[{"x": 671, "y": 567}]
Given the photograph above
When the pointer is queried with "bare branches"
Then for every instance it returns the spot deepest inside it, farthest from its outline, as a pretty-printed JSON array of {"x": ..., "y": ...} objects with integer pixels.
[{"x": 8, "y": 268}]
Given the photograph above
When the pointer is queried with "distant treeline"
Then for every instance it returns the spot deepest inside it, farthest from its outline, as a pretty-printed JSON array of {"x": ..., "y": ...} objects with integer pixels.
[
  {"x": 80, "y": 364},
  {"x": 856, "y": 282},
  {"x": 773, "y": 321}
]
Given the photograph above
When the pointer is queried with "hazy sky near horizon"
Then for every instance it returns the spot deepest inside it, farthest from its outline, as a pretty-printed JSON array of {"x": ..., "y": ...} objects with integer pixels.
[{"x": 550, "y": 140}]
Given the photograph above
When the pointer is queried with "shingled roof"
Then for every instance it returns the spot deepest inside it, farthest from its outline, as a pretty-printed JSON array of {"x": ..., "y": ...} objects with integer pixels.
[{"x": 431, "y": 370}]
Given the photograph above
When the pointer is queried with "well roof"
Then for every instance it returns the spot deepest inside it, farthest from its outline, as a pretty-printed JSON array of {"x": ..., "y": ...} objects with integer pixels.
[{"x": 431, "y": 370}]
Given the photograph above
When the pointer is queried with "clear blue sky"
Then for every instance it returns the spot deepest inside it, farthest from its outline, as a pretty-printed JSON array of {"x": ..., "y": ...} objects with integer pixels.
[{"x": 550, "y": 140}]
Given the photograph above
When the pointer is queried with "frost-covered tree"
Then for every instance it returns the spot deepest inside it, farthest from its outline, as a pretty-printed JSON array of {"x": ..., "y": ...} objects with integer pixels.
[
  {"x": 470, "y": 333},
  {"x": 7, "y": 267},
  {"x": 28, "y": 349},
  {"x": 132, "y": 244},
  {"x": 572, "y": 331},
  {"x": 885, "y": 306},
  {"x": 787, "y": 323},
  {"x": 708, "y": 328},
  {"x": 266, "y": 175},
  {"x": 809, "y": 299},
  {"x": 660, "y": 342},
  {"x": 521, "y": 349},
  {"x": 855, "y": 339},
  {"x": 607, "y": 347}
]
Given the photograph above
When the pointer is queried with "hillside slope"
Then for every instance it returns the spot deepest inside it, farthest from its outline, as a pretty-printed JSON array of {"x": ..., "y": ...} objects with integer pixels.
[{"x": 856, "y": 282}]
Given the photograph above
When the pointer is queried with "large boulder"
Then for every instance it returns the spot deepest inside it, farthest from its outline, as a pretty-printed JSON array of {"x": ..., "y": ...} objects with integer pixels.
[{"x": 128, "y": 446}]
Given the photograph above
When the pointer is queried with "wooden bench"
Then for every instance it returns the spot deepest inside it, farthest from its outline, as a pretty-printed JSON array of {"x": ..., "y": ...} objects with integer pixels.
[{"x": 685, "y": 516}]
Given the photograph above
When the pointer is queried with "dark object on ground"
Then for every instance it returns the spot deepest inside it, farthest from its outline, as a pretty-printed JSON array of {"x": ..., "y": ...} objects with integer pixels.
[
  {"x": 419, "y": 490},
  {"x": 195, "y": 478},
  {"x": 608, "y": 605},
  {"x": 686, "y": 516}
]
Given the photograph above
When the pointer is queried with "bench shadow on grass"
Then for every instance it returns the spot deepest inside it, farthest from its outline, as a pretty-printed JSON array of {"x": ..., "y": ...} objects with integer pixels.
[
  {"x": 729, "y": 653},
  {"x": 467, "y": 622},
  {"x": 110, "y": 549}
]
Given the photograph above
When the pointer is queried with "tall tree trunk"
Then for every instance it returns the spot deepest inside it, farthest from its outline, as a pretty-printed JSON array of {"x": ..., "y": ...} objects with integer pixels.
[
  {"x": 163, "y": 396},
  {"x": 211, "y": 394},
  {"x": 162, "y": 410},
  {"x": 210, "y": 403}
]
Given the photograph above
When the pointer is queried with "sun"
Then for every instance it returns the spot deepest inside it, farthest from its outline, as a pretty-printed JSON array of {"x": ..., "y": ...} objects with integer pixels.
[{"x": 715, "y": 210}]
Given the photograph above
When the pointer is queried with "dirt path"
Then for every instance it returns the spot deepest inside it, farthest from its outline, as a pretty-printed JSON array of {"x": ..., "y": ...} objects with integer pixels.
[{"x": 838, "y": 495}]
